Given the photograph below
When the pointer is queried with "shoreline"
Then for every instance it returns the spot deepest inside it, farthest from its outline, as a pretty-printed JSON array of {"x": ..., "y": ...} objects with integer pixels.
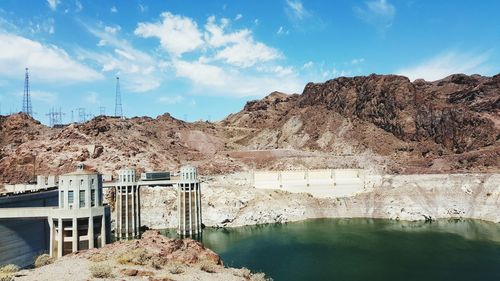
[{"x": 228, "y": 201}]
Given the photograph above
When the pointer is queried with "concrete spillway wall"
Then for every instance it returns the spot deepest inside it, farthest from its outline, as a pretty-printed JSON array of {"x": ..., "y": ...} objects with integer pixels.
[
  {"x": 319, "y": 183},
  {"x": 21, "y": 240}
]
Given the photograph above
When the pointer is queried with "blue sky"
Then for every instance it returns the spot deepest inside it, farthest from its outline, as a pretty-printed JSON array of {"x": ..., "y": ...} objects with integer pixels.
[{"x": 205, "y": 59}]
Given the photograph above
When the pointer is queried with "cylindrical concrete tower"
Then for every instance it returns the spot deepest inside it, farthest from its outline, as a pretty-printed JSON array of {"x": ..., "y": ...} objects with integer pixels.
[
  {"x": 189, "y": 202},
  {"x": 127, "y": 205},
  {"x": 80, "y": 221}
]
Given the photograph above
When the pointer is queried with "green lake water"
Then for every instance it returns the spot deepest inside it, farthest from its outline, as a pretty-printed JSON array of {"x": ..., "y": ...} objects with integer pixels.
[{"x": 363, "y": 249}]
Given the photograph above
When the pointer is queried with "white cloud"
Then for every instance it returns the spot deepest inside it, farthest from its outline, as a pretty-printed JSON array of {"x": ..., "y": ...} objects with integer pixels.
[
  {"x": 282, "y": 31},
  {"x": 307, "y": 65},
  {"x": 357, "y": 61},
  {"x": 143, "y": 8},
  {"x": 136, "y": 68},
  {"x": 295, "y": 10},
  {"x": 231, "y": 82},
  {"x": 447, "y": 63},
  {"x": 46, "y": 62},
  {"x": 238, "y": 17},
  {"x": 239, "y": 47},
  {"x": 171, "y": 99},
  {"x": 79, "y": 6},
  {"x": 46, "y": 97},
  {"x": 92, "y": 98},
  {"x": 114, "y": 9},
  {"x": 377, "y": 12},
  {"x": 53, "y": 4},
  {"x": 177, "y": 34}
]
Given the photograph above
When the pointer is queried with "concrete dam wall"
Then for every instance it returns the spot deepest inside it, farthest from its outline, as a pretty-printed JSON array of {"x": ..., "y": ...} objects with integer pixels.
[
  {"x": 21, "y": 240},
  {"x": 320, "y": 183}
]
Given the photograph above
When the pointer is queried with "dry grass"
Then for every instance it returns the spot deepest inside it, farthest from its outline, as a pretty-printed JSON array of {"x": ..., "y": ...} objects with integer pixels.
[
  {"x": 175, "y": 268},
  {"x": 99, "y": 270},
  {"x": 260, "y": 277},
  {"x": 43, "y": 260},
  {"x": 7, "y": 272},
  {"x": 97, "y": 257},
  {"x": 242, "y": 272},
  {"x": 208, "y": 267},
  {"x": 139, "y": 256}
]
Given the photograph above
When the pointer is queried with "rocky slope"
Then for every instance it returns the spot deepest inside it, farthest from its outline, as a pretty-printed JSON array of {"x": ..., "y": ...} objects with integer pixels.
[
  {"x": 379, "y": 122},
  {"x": 153, "y": 257}
]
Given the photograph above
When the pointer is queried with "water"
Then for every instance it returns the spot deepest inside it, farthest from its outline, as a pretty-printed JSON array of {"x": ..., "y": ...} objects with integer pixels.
[{"x": 363, "y": 249}]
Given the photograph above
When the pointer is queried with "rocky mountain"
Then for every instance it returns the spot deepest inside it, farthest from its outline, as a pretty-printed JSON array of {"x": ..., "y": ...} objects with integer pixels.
[{"x": 381, "y": 122}]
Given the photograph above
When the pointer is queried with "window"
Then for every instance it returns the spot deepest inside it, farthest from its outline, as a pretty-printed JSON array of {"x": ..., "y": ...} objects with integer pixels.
[
  {"x": 70, "y": 197},
  {"x": 99, "y": 200},
  {"x": 61, "y": 199},
  {"x": 92, "y": 197},
  {"x": 82, "y": 198}
]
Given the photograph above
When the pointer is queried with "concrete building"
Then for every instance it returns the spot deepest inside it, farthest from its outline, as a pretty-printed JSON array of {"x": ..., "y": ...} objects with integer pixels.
[
  {"x": 127, "y": 204},
  {"x": 189, "y": 202},
  {"x": 80, "y": 220}
]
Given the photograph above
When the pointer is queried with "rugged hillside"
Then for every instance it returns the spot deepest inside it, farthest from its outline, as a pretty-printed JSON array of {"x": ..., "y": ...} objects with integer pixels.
[
  {"x": 381, "y": 122},
  {"x": 451, "y": 124}
]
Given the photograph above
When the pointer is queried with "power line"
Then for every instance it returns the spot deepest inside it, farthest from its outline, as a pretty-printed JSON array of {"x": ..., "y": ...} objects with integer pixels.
[
  {"x": 27, "y": 109},
  {"x": 118, "y": 100}
]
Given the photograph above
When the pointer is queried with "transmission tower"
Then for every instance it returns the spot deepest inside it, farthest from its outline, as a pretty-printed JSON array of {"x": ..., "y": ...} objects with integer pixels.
[
  {"x": 102, "y": 110},
  {"x": 82, "y": 116},
  {"x": 55, "y": 117},
  {"x": 27, "y": 109},
  {"x": 118, "y": 102}
]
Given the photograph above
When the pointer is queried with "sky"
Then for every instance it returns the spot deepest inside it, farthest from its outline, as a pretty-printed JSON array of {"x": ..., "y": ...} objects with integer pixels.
[{"x": 202, "y": 60}]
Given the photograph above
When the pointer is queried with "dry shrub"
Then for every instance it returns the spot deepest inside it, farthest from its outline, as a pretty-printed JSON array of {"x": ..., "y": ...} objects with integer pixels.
[
  {"x": 43, "y": 260},
  {"x": 7, "y": 272},
  {"x": 208, "y": 267},
  {"x": 157, "y": 262},
  {"x": 99, "y": 270},
  {"x": 6, "y": 277},
  {"x": 10, "y": 268},
  {"x": 175, "y": 267},
  {"x": 242, "y": 272},
  {"x": 260, "y": 277},
  {"x": 97, "y": 257},
  {"x": 139, "y": 256}
]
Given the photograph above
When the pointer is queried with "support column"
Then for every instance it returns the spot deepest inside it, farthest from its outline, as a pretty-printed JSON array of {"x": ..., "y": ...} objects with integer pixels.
[
  {"x": 133, "y": 212},
  {"x": 183, "y": 207},
  {"x": 120, "y": 214},
  {"x": 127, "y": 230},
  {"x": 91, "y": 232},
  {"x": 138, "y": 207},
  {"x": 75, "y": 235},
  {"x": 103, "y": 230},
  {"x": 190, "y": 212},
  {"x": 60, "y": 238},
  {"x": 199, "y": 206},
  {"x": 179, "y": 208},
  {"x": 195, "y": 209},
  {"x": 51, "y": 238}
]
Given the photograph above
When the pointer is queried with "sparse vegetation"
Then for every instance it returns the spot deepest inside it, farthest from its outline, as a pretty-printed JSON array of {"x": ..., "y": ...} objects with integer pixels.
[
  {"x": 208, "y": 267},
  {"x": 7, "y": 272},
  {"x": 100, "y": 270},
  {"x": 43, "y": 260},
  {"x": 98, "y": 257},
  {"x": 175, "y": 268},
  {"x": 242, "y": 272},
  {"x": 139, "y": 256},
  {"x": 157, "y": 262},
  {"x": 260, "y": 277}
]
